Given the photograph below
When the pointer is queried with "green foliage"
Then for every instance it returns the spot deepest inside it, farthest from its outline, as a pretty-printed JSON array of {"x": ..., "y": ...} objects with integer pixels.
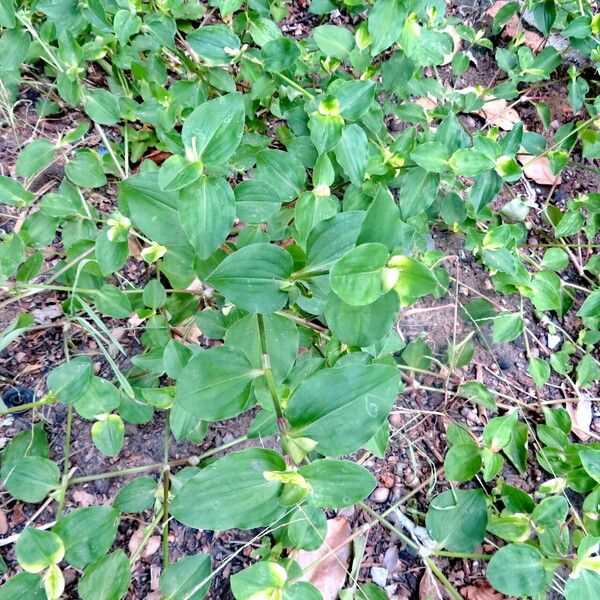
[{"x": 308, "y": 222}]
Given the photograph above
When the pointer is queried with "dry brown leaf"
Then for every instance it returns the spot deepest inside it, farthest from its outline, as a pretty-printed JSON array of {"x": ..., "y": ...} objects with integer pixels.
[
  {"x": 457, "y": 44},
  {"x": 431, "y": 589},
  {"x": 135, "y": 540},
  {"x": 3, "y": 523},
  {"x": 482, "y": 590},
  {"x": 330, "y": 574},
  {"x": 84, "y": 499},
  {"x": 497, "y": 112},
  {"x": 426, "y": 103},
  {"x": 581, "y": 417},
  {"x": 534, "y": 41},
  {"x": 538, "y": 170}
]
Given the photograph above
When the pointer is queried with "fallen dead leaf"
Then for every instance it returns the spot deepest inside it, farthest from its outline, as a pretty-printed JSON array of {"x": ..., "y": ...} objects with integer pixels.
[
  {"x": 457, "y": 44},
  {"x": 482, "y": 590},
  {"x": 497, "y": 112},
  {"x": 538, "y": 170},
  {"x": 426, "y": 103},
  {"x": 534, "y": 41},
  {"x": 47, "y": 313},
  {"x": 431, "y": 589},
  {"x": 581, "y": 416},
  {"x": 3, "y": 523},
  {"x": 84, "y": 499},
  {"x": 151, "y": 547},
  {"x": 330, "y": 574}
]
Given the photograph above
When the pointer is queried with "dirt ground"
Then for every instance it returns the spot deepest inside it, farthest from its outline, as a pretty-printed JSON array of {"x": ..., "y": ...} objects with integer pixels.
[{"x": 414, "y": 460}]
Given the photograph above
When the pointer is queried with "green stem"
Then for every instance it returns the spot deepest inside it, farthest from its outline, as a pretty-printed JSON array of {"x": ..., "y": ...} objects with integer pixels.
[
  {"x": 267, "y": 371},
  {"x": 190, "y": 460},
  {"x": 426, "y": 559},
  {"x": 66, "y": 461},
  {"x": 166, "y": 478},
  {"x": 48, "y": 399}
]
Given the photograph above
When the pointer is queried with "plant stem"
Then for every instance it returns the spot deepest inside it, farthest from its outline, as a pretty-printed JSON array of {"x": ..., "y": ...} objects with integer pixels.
[
  {"x": 48, "y": 399},
  {"x": 193, "y": 460},
  {"x": 165, "y": 511},
  {"x": 267, "y": 371},
  {"x": 426, "y": 559},
  {"x": 67, "y": 454}
]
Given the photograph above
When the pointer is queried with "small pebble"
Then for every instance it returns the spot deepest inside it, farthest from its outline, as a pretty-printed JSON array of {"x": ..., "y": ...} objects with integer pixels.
[
  {"x": 379, "y": 576},
  {"x": 380, "y": 495},
  {"x": 395, "y": 420},
  {"x": 553, "y": 341}
]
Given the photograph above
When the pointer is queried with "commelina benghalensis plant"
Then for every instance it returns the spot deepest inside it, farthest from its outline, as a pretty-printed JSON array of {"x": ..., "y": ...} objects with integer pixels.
[{"x": 301, "y": 184}]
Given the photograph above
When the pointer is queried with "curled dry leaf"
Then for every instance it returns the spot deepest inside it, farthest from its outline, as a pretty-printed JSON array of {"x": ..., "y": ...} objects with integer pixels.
[
  {"x": 426, "y": 102},
  {"x": 497, "y": 112},
  {"x": 431, "y": 589},
  {"x": 135, "y": 540},
  {"x": 457, "y": 44},
  {"x": 481, "y": 590},
  {"x": 330, "y": 574},
  {"x": 3, "y": 523},
  {"x": 538, "y": 170},
  {"x": 513, "y": 28},
  {"x": 84, "y": 499},
  {"x": 581, "y": 416}
]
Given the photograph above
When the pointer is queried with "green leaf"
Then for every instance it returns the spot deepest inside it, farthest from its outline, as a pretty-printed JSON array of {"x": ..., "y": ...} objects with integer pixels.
[
  {"x": 591, "y": 306},
  {"x": 360, "y": 277},
  {"x": 462, "y": 462},
  {"x": 355, "y": 97},
  {"x": 206, "y": 213},
  {"x": 232, "y": 492},
  {"x": 37, "y": 549},
  {"x": 137, "y": 495},
  {"x": 279, "y": 54},
  {"x": 177, "y": 173},
  {"x": 582, "y": 586},
  {"x": 307, "y": 527},
  {"x": 477, "y": 392},
  {"x": 214, "y": 130},
  {"x": 85, "y": 170},
  {"x": 362, "y": 325},
  {"x": 539, "y": 370},
  {"x": 182, "y": 577},
  {"x": 334, "y": 40},
  {"x": 253, "y": 277},
  {"x": 326, "y": 406},
  {"x": 111, "y": 255},
  {"x": 13, "y": 193},
  {"x": 544, "y": 14},
  {"x": 87, "y": 533},
  {"x": 111, "y": 301},
  {"x": 70, "y": 380},
  {"x": 35, "y": 157},
  {"x": 507, "y": 327},
  {"x": 261, "y": 580},
  {"x": 414, "y": 279},
  {"x": 382, "y": 223},
  {"x": 108, "y": 435},
  {"x": 431, "y": 156},
  {"x": 470, "y": 163},
  {"x": 12, "y": 254},
  {"x": 337, "y": 483},
  {"x": 210, "y": 42},
  {"x": 385, "y": 24},
  {"x": 102, "y": 107},
  {"x": 325, "y": 131},
  {"x": 590, "y": 459},
  {"x": 106, "y": 579},
  {"x": 283, "y": 173},
  {"x": 23, "y": 586},
  {"x": 498, "y": 431},
  {"x": 457, "y": 519},
  {"x": 7, "y": 14},
  {"x": 30, "y": 478},
  {"x": 332, "y": 238},
  {"x": 352, "y": 152},
  {"x": 517, "y": 570},
  {"x": 215, "y": 384},
  {"x": 418, "y": 192}
]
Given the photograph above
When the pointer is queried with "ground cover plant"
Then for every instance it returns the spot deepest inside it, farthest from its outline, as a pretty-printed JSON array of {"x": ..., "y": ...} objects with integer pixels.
[{"x": 228, "y": 226}]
